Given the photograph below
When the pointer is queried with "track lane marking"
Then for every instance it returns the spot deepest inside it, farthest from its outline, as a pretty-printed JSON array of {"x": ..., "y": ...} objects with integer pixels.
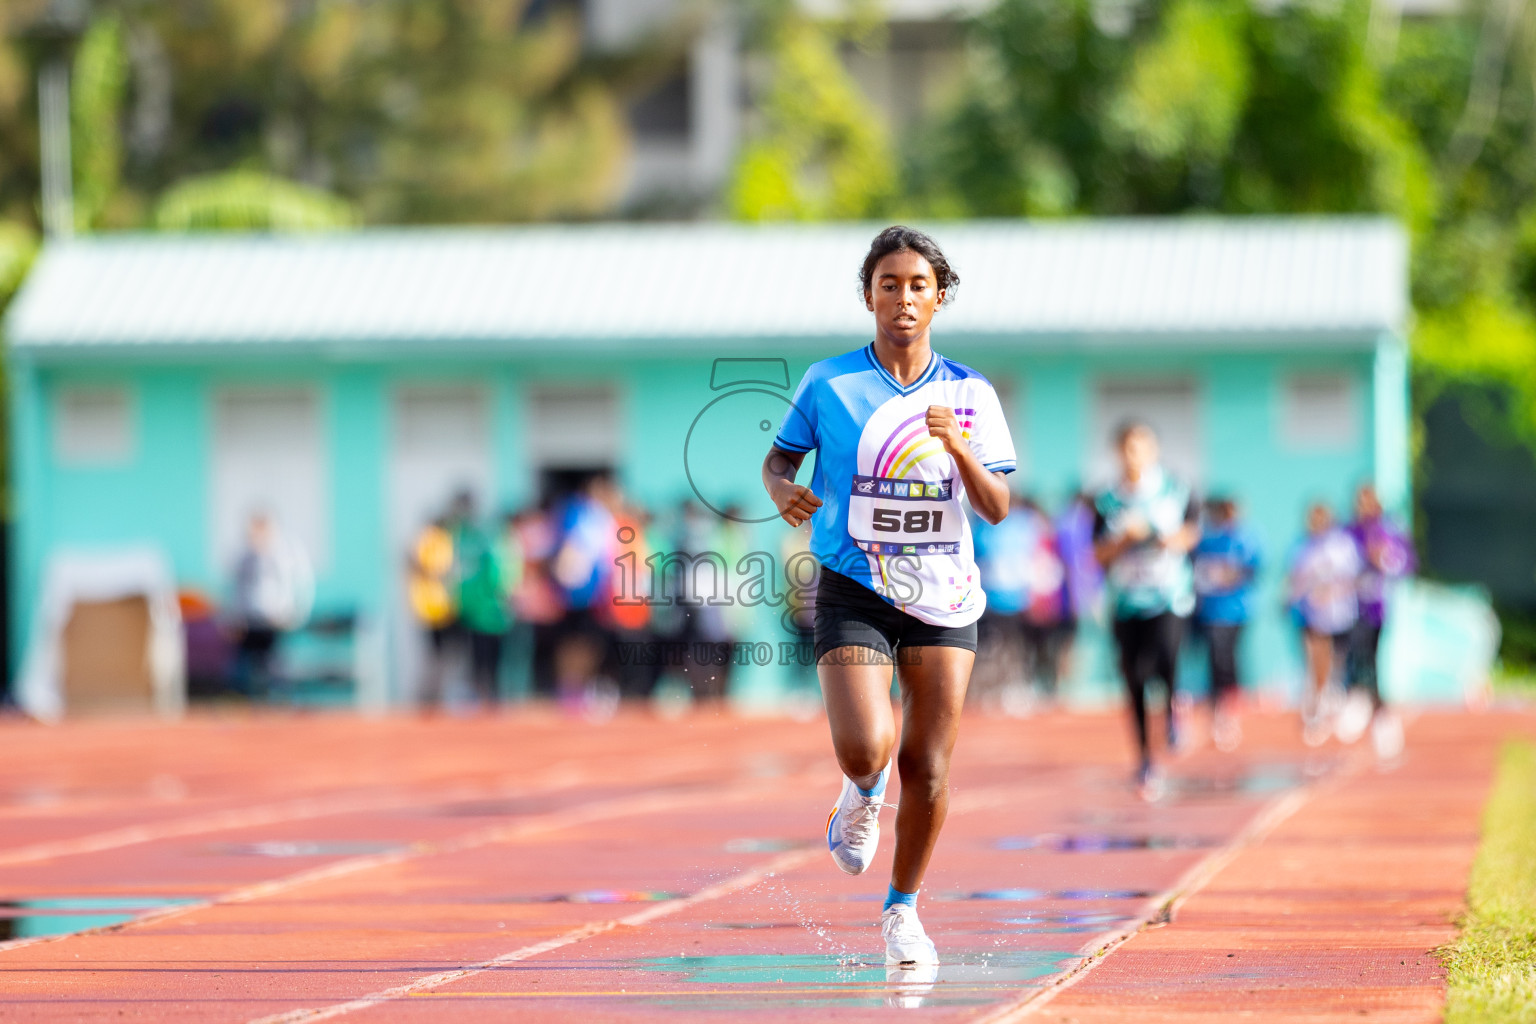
[
  {"x": 303, "y": 809},
  {"x": 1161, "y": 908},
  {"x": 582, "y": 814},
  {"x": 972, "y": 800},
  {"x": 424, "y": 986}
]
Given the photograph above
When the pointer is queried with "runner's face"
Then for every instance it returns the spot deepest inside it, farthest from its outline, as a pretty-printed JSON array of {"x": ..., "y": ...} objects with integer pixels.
[
  {"x": 1319, "y": 519},
  {"x": 1138, "y": 453},
  {"x": 1367, "y": 506},
  {"x": 903, "y": 295}
]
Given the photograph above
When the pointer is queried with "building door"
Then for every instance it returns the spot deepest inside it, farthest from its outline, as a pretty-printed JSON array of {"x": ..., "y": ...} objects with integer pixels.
[
  {"x": 1169, "y": 404},
  {"x": 268, "y": 459},
  {"x": 440, "y": 446}
]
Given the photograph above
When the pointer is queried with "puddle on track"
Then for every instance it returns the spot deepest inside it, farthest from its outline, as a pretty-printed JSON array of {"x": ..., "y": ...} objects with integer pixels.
[
  {"x": 1059, "y": 924},
  {"x": 766, "y": 845},
  {"x": 597, "y": 896},
  {"x": 64, "y": 915},
  {"x": 1053, "y": 842},
  {"x": 1022, "y": 895},
  {"x": 306, "y": 848},
  {"x": 767, "y": 981},
  {"x": 1258, "y": 780}
]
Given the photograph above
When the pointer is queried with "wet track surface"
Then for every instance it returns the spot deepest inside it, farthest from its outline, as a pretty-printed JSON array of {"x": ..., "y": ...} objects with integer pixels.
[{"x": 317, "y": 868}]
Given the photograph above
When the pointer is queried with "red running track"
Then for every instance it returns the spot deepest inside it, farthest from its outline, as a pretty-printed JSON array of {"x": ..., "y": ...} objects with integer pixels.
[{"x": 312, "y": 868}]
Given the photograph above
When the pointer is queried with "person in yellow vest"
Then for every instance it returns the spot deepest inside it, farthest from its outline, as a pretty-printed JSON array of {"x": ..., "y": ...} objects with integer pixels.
[
  {"x": 433, "y": 597},
  {"x": 436, "y": 574}
]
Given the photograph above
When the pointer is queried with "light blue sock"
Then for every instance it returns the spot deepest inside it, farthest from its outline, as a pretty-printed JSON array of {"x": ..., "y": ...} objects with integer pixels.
[
  {"x": 875, "y": 790},
  {"x": 894, "y": 896}
]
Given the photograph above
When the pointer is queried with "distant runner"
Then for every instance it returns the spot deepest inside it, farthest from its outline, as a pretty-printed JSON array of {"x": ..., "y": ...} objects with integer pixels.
[
  {"x": 1325, "y": 569},
  {"x": 1386, "y": 556},
  {"x": 1226, "y": 561},
  {"x": 902, "y": 435},
  {"x": 1144, "y": 530}
]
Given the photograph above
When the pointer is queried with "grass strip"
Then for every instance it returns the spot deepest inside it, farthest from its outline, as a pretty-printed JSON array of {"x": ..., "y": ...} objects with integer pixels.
[{"x": 1491, "y": 967}]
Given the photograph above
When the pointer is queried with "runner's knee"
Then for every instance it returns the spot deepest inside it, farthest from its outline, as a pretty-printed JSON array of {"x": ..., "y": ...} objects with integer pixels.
[
  {"x": 865, "y": 756},
  {"x": 924, "y": 774}
]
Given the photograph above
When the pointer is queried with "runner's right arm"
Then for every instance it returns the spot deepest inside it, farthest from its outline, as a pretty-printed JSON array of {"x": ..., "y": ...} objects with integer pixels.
[{"x": 795, "y": 502}]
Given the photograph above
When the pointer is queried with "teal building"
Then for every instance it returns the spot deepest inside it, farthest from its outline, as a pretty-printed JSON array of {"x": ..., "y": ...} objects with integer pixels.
[{"x": 164, "y": 387}]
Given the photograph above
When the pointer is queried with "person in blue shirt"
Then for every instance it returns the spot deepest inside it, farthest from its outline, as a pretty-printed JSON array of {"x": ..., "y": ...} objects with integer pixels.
[
  {"x": 1003, "y": 560},
  {"x": 1227, "y": 560},
  {"x": 903, "y": 438}
]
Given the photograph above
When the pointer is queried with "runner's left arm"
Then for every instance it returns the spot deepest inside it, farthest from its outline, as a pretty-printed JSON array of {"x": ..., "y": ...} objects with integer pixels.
[
  {"x": 988, "y": 490},
  {"x": 1187, "y": 535}
]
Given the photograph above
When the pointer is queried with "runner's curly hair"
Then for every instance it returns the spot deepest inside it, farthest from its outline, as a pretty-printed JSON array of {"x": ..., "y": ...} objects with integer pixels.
[{"x": 899, "y": 238}]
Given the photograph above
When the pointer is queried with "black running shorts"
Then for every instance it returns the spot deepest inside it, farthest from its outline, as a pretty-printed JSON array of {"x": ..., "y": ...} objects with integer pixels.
[{"x": 849, "y": 614}]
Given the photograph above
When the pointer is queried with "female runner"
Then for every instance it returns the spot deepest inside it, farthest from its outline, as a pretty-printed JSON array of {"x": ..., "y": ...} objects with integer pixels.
[{"x": 901, "y": 436}]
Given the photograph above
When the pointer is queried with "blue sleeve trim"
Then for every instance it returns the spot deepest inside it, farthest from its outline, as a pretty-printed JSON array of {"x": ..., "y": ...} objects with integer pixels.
[
  {"x": 779, "y": 442},
  {"x": 1000, "y": 467}
]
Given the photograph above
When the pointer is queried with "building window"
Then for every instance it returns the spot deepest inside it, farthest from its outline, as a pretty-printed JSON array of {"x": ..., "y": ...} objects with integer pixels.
[
  {"x": 573, "y": 428},
  {"x": 268, "y": 459},
  {"x": 93, "y": 426},
  {"x": 665, "y": 114},
  {"x": 1318, "y": 412},
  {"x": 1170, "y": 405}
]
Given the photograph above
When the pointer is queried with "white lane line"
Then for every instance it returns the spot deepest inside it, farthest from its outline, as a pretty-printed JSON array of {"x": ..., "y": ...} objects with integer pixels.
[
  {"x": 553, "y": 780},
  {"x": 744, "y": 880},
  {"x": 582, "y": 814},
  {"x": 227, "y": 820},
  {"x": 1162, "y": 907},
  {"x": 972, "y": 800}
]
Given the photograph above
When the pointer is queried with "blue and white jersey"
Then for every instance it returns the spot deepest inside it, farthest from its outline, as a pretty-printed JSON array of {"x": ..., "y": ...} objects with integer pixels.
[{"x": 892, "y": 516}]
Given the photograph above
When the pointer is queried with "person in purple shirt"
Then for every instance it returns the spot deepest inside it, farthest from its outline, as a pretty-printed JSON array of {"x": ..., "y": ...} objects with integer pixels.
[
  {"x": 1386, "y": 555},
  {"x": 1085, "y": 577}
]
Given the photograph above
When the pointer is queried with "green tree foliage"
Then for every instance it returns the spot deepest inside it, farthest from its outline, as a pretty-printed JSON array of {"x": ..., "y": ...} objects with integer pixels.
[
  {"x": 819, "y": 150},
  {"x": 98, "y": 88},
  {"x": 1469, "y": 89},
  {"x": 1027, "y": 136},
  {"x": 417, "y": 110},
  {"x": 409, "y": 110},
  {"x": 1081, "y": 107},
  {"x": 250, "y": 201},
  {"x": 18, "y": 244}
]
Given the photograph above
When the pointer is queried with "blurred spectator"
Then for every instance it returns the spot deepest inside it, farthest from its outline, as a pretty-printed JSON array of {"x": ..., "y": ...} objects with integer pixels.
[
  {"x": 1003, "y": 556},
  {"x": 1324, "y": 573},
  {"x": 582, "y": 568},
  {"x": 627, "y": 607},
  {"x": 1143, "y": 533},
  {"x": 1084, "y": 576},
  {"x": 1226, "y": 562},
  {"x": 709, "y": 628},
  {"x": 436, "y": 572},
  {"x": 538, "y": 605},
  {"x": 1386, "y": 556},
  {"x": 1046, "y": 613},
  {"x": 803, "y": 574},
  {"x": 274, "y": 592},
  {"x": 491, "y": 568}
]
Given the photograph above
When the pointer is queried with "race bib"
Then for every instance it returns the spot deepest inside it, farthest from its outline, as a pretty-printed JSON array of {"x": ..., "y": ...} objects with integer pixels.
[
  {"x": 905, "y": 517},
  {"x": 1214, "y": 573},
  {"x": 1146, "y": 567}
]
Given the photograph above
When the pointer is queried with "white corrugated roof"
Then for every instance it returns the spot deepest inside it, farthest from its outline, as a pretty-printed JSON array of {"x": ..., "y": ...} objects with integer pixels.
[{"x": 603, "y": 286}]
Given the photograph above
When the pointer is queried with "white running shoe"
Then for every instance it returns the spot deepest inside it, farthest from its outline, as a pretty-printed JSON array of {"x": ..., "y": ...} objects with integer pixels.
[
  {"x": 1387, "y": 735},
  {"x": 853, "y": 828},
  {"x": 1226, "y": 731},
  {"x": 1317, "y": 715},
  {"x": 1151, "y": 785},
  {"x": 1355, "y": 718},
  {"x": 906, "y": 944},
  {"x": 907, "y": 984}
]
